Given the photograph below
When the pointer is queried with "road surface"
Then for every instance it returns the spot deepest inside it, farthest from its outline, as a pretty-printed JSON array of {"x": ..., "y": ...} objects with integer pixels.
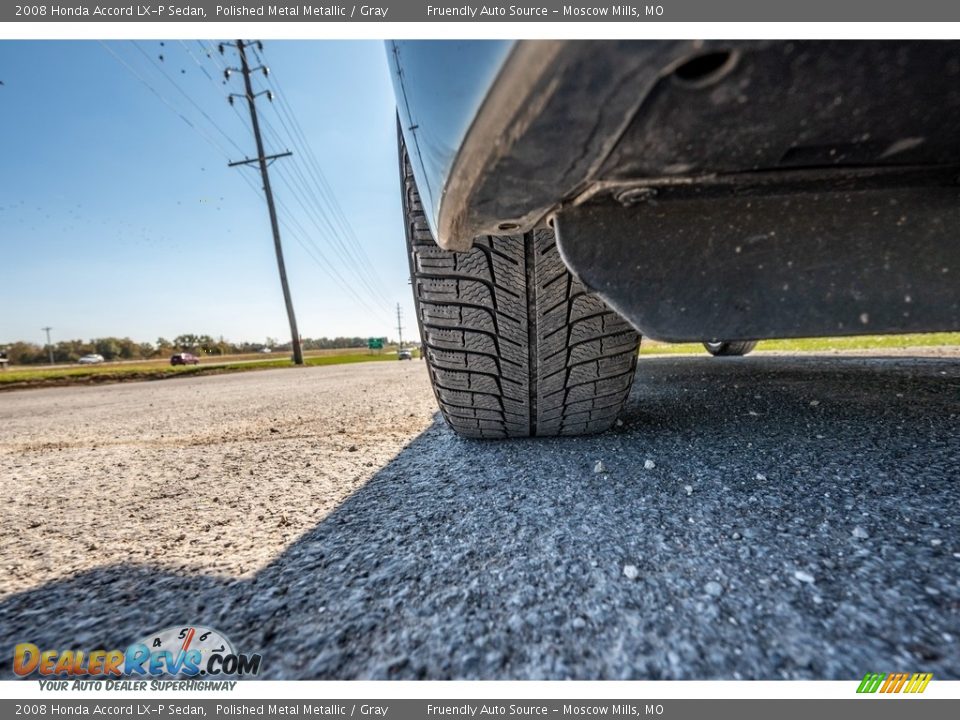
[{"x": 765, "y": 517}]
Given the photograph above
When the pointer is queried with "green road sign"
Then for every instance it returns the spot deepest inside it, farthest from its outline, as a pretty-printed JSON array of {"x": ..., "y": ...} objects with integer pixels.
[{"x": 375, "y": 344}]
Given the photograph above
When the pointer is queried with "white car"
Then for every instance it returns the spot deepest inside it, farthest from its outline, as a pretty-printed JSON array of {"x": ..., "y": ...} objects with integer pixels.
[{"x": 91, "y": 359}]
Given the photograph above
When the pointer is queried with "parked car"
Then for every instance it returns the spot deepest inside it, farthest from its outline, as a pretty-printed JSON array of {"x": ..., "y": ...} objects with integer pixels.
[
  {"x": 562, "y": 197},
  {"x": 90, "y": 359},
  {"x": 184, "y": 358},
  {"x": 404, "y": 354}
]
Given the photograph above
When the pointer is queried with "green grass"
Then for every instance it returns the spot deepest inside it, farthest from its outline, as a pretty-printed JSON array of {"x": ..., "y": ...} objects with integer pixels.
[
  {"x": 864, "y": 342},
  {"x": 95, "y": 374}
]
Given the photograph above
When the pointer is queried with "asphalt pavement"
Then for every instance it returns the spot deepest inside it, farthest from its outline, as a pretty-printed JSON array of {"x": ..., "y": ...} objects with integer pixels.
[{"x": 765, "y": 517}]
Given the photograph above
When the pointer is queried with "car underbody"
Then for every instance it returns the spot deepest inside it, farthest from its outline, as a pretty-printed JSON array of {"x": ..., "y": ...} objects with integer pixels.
[{"x": 734, "y": 190}]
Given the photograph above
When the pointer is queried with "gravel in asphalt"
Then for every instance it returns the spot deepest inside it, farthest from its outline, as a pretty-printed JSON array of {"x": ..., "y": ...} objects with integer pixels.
[{"x": 764, "y": 517}]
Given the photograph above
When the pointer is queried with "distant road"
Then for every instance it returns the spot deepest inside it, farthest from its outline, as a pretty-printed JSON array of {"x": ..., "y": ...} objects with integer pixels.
[{"x": 204, "y": 359}]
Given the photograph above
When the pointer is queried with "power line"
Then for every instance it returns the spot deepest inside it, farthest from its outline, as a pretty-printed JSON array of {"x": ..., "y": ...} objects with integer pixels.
[
  {"x": 289, "y": 222},
  {"x": 305, "y": 240},
  {"x": 222, "y": 67},
  {"x": 302, "y": 192},
  {"x": 189, "y": 99},
  {"x": 315, "y": 206},
  {"x": 328, "y": 214},
  {"x": 299, "y": 138},
  {"x": 165, "y": 101},
  {"x": 302, "y": 237}
]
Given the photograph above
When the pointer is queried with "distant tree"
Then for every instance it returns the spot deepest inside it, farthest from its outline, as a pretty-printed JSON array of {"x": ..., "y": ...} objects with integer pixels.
[
  {"x": 129, "y": 350},
  {"x": 26, "y": 353},
  {"x": 108, "y": 347},
  {"x": 22, "y": 353},
  {"x": 71, "y": 350},
  {"x": 187, "y": 341},
  {"x": 206, "y": 343}
]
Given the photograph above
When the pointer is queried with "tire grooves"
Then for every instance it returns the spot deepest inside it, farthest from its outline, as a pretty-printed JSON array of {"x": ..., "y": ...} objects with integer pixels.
[
  {"x": 532, "y": 315},
  {"x": 490, "y": 320}
]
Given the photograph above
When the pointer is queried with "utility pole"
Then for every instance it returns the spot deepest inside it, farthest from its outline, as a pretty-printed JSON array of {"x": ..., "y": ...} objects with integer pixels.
[
  {"x": 263, "y": 161},
  {"x": 399, "y": 327},
  {"x": 49, "y": 346}
]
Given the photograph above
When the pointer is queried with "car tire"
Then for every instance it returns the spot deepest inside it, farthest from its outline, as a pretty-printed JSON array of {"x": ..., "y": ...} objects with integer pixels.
[
  {"x": 516, "y": 346},
  {"x": 730, "y": 349}
]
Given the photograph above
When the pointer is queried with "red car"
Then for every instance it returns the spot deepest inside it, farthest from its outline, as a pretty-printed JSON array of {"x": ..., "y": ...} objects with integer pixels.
[{"x": 184, "y": 359}]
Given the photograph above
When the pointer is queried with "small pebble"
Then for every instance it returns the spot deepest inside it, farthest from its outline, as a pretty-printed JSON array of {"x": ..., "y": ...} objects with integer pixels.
[
  {"x": 814, "y": 403},
  {"x": 649, "y": 464},
  {"x": 936, "y": 542},
  {"x": 630, "y": 572},
  {"x": 688, "y": 489},
  {"x": 599, "y": 467},
  {"x": 761, "y": 477},
  {"x": 803, "y": 577},
  {"x": 713, "y": 588},
  {"x": 736, "y": 536},
  {"x": 860, "y": 533},
  {"x": 579, "y": 623}
]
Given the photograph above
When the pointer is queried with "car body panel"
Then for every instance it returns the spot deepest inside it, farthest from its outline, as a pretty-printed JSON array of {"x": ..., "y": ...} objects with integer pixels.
[{"x": 439, "y": 86}]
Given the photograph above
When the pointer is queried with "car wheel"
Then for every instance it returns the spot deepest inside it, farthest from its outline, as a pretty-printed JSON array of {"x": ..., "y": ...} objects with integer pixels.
[
  {"x": 730, "y": 349},
  {"x": 516, "y": 346}
]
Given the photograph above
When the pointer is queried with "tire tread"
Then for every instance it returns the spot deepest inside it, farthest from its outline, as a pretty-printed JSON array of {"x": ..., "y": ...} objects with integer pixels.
[{"x": 515, "y": 345}]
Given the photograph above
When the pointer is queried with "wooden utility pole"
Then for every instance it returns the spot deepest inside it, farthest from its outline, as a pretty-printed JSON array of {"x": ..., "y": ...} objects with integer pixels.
[{"x": 262, "y": 160}]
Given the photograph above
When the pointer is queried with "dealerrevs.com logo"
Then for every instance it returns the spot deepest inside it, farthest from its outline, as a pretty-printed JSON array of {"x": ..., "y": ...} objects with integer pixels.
[
  {"x": 895, "y": 683},
  {"x": 190, "y": 651}
]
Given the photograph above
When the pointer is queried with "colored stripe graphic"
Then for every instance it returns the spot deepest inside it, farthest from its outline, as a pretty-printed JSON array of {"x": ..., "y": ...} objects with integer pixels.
[
  {"x": 894, "y": 683},
  {"x": 870, "y": 682},
  {"x": 918, "y": 683}
]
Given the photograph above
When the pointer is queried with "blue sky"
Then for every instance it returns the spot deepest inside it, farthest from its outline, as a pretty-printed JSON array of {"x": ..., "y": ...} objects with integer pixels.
[{"x": 119, "y": 218}]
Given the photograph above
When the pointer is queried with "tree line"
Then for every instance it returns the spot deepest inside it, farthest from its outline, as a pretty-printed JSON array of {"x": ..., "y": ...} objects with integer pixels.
[{"x": 113, "y": 348}]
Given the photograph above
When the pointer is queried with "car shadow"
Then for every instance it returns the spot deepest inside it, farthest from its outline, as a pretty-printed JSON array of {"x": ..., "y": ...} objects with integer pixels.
[{"x": 751, "y": 518}]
